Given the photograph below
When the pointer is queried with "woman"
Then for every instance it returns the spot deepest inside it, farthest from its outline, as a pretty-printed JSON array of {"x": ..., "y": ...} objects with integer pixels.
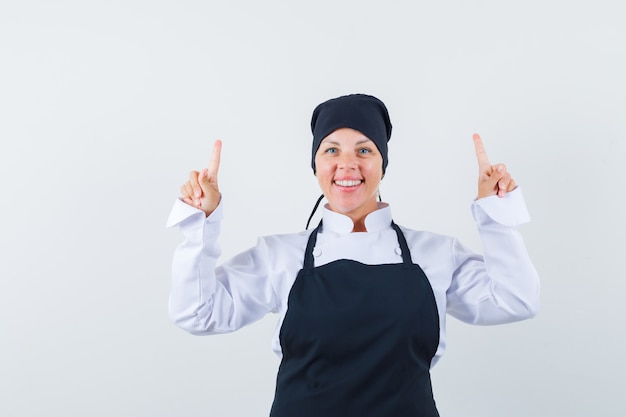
[{"x": 361, "y": 301}]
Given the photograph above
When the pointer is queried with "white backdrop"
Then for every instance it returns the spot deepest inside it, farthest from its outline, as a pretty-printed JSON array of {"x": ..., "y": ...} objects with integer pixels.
[{"x": 105, "y": 106}]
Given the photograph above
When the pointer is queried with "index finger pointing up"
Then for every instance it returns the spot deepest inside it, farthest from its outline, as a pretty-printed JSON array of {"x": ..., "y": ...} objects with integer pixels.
[
  {"x": 481, "y": 154},
  {"x": 214, "y": 162}
]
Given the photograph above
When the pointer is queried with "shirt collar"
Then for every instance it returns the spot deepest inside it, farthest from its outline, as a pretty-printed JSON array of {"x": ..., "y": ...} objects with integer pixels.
[{"x": 341, "y": 224}]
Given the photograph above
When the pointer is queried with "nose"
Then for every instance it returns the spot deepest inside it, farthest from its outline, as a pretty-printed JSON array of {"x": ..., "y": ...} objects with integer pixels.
[{"x": 347, "y": 161}]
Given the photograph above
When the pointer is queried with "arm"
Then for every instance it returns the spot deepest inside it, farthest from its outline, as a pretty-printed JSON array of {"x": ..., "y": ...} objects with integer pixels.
[
  {"x": 205, "y": 298},
  {"x": 504, "y": 285}
]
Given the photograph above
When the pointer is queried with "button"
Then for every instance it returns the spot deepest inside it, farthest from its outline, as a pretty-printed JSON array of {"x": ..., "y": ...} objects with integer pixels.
[
  {"x": 317, "y": 252},
  {"x": 398, "y": 251}
]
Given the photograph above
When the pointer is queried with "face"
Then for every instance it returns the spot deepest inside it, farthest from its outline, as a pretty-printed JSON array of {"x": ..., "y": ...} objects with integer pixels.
[{"x": 349, "y": 168}]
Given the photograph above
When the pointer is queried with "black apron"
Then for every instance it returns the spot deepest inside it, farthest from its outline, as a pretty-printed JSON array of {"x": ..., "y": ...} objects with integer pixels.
[{"x": 358, "y": 340}]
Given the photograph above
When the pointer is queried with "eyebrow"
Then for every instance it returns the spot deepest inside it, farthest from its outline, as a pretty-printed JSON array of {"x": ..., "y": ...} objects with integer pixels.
[{"x": 333, "y": 142}]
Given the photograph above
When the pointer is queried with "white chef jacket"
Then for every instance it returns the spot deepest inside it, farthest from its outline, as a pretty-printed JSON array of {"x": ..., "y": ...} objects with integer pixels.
[{"x": 501, "y": 287}]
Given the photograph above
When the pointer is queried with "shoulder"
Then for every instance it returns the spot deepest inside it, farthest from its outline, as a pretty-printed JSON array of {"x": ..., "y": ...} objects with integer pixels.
[
  {"x": 435, "y": 246},
  {"x": 287, "y": 237},
  {"x": 286, "y": 243},
  {"x": 283, "y": 253},
  {"x": 425, "y": 237}
]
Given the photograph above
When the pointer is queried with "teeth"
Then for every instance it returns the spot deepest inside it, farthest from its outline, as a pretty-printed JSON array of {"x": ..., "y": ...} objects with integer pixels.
[{"x": 348, "y": 183}]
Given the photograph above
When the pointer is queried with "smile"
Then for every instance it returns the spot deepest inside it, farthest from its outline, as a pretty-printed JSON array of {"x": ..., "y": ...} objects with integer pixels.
[{"x": 348, "y": 183}]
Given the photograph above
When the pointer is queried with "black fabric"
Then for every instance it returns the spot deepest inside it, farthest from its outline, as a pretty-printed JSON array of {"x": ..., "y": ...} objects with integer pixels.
[
  {"x": 361, "y": 112},
  {"x": 317, "y": 203},
  {"x": 358, "y": 340}
]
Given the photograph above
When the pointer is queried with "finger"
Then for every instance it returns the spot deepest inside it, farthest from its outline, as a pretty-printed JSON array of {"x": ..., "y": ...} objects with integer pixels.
[
  {"x": 203, "y": 179},
  {"x": 481, "y": 154},
  {"x": 214, "y": 162},
  {"x": 195, "y": 187},
  {"x": 492, "y": 174},
  {"x": 185, "y": 190},
  {"x": 186, "y": 193},
  {"x": 507, "y": 184},
  {"x": 503, "y": 184}
]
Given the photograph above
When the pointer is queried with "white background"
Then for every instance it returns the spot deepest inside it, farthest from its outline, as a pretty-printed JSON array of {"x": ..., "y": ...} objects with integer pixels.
[{"x": 105, "y": 106}]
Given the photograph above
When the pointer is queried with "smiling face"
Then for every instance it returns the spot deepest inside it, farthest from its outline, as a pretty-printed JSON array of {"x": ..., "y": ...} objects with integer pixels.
[{"x": 349, "y": 169}]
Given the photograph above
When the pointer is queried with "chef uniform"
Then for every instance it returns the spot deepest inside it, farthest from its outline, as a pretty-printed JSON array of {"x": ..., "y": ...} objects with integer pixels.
[
  {"x": 358, "y": 340},
  {"x": 361, "y": 315}
]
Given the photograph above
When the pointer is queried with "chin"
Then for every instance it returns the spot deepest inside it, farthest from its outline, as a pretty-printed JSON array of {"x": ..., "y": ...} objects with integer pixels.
[{"x": 348, "y": 209}]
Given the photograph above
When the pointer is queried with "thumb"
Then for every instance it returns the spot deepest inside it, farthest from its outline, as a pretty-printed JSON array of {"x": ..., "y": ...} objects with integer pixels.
[
  {"x": 208, "y": 183},
  {"x": 203, "y": 179}
]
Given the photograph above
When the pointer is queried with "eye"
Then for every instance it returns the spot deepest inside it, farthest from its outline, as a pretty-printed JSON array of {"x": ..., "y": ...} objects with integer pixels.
[
  {"x": 364, "y": 151},
  {"x": 331, "y": 150}
]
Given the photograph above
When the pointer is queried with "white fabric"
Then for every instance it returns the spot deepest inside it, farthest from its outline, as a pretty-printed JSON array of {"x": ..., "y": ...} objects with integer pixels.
[{"x": 206, "y": 298}]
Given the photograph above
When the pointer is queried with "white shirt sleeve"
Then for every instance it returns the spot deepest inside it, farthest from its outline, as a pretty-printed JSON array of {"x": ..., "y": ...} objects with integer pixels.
[
  {"x": 205, "y": 299},
  {"x": 502, "y": 286}
]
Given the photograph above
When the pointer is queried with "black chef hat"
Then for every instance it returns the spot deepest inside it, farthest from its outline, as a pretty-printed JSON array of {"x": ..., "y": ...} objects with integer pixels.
[{"x": 361, "y": 112}]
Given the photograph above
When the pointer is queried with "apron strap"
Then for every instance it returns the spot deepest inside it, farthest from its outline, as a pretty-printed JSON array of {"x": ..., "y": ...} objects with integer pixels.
[
  {"x": 309, "y": 264},
  {"x": 406, "y": 254}
]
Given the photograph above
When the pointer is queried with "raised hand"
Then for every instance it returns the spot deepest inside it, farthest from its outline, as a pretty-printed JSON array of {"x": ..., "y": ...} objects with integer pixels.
[
  {"x": 201, "y": 190},
  {"x": 492, "y": 179}
]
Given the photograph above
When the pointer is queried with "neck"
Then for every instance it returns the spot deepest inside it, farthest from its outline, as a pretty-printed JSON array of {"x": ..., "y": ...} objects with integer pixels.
[
  {"x": 357, "y": 216},
  {"x": 359, "y": 225},
  {"x": 359, "y": 219}
]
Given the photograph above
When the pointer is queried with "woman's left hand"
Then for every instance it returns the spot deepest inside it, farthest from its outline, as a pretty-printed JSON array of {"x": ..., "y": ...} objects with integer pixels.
[{"x": 492, "y": 179}]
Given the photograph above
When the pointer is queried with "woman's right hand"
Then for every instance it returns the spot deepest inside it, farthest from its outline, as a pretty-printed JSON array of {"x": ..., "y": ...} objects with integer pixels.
[{"x": 201, "y": 190}]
